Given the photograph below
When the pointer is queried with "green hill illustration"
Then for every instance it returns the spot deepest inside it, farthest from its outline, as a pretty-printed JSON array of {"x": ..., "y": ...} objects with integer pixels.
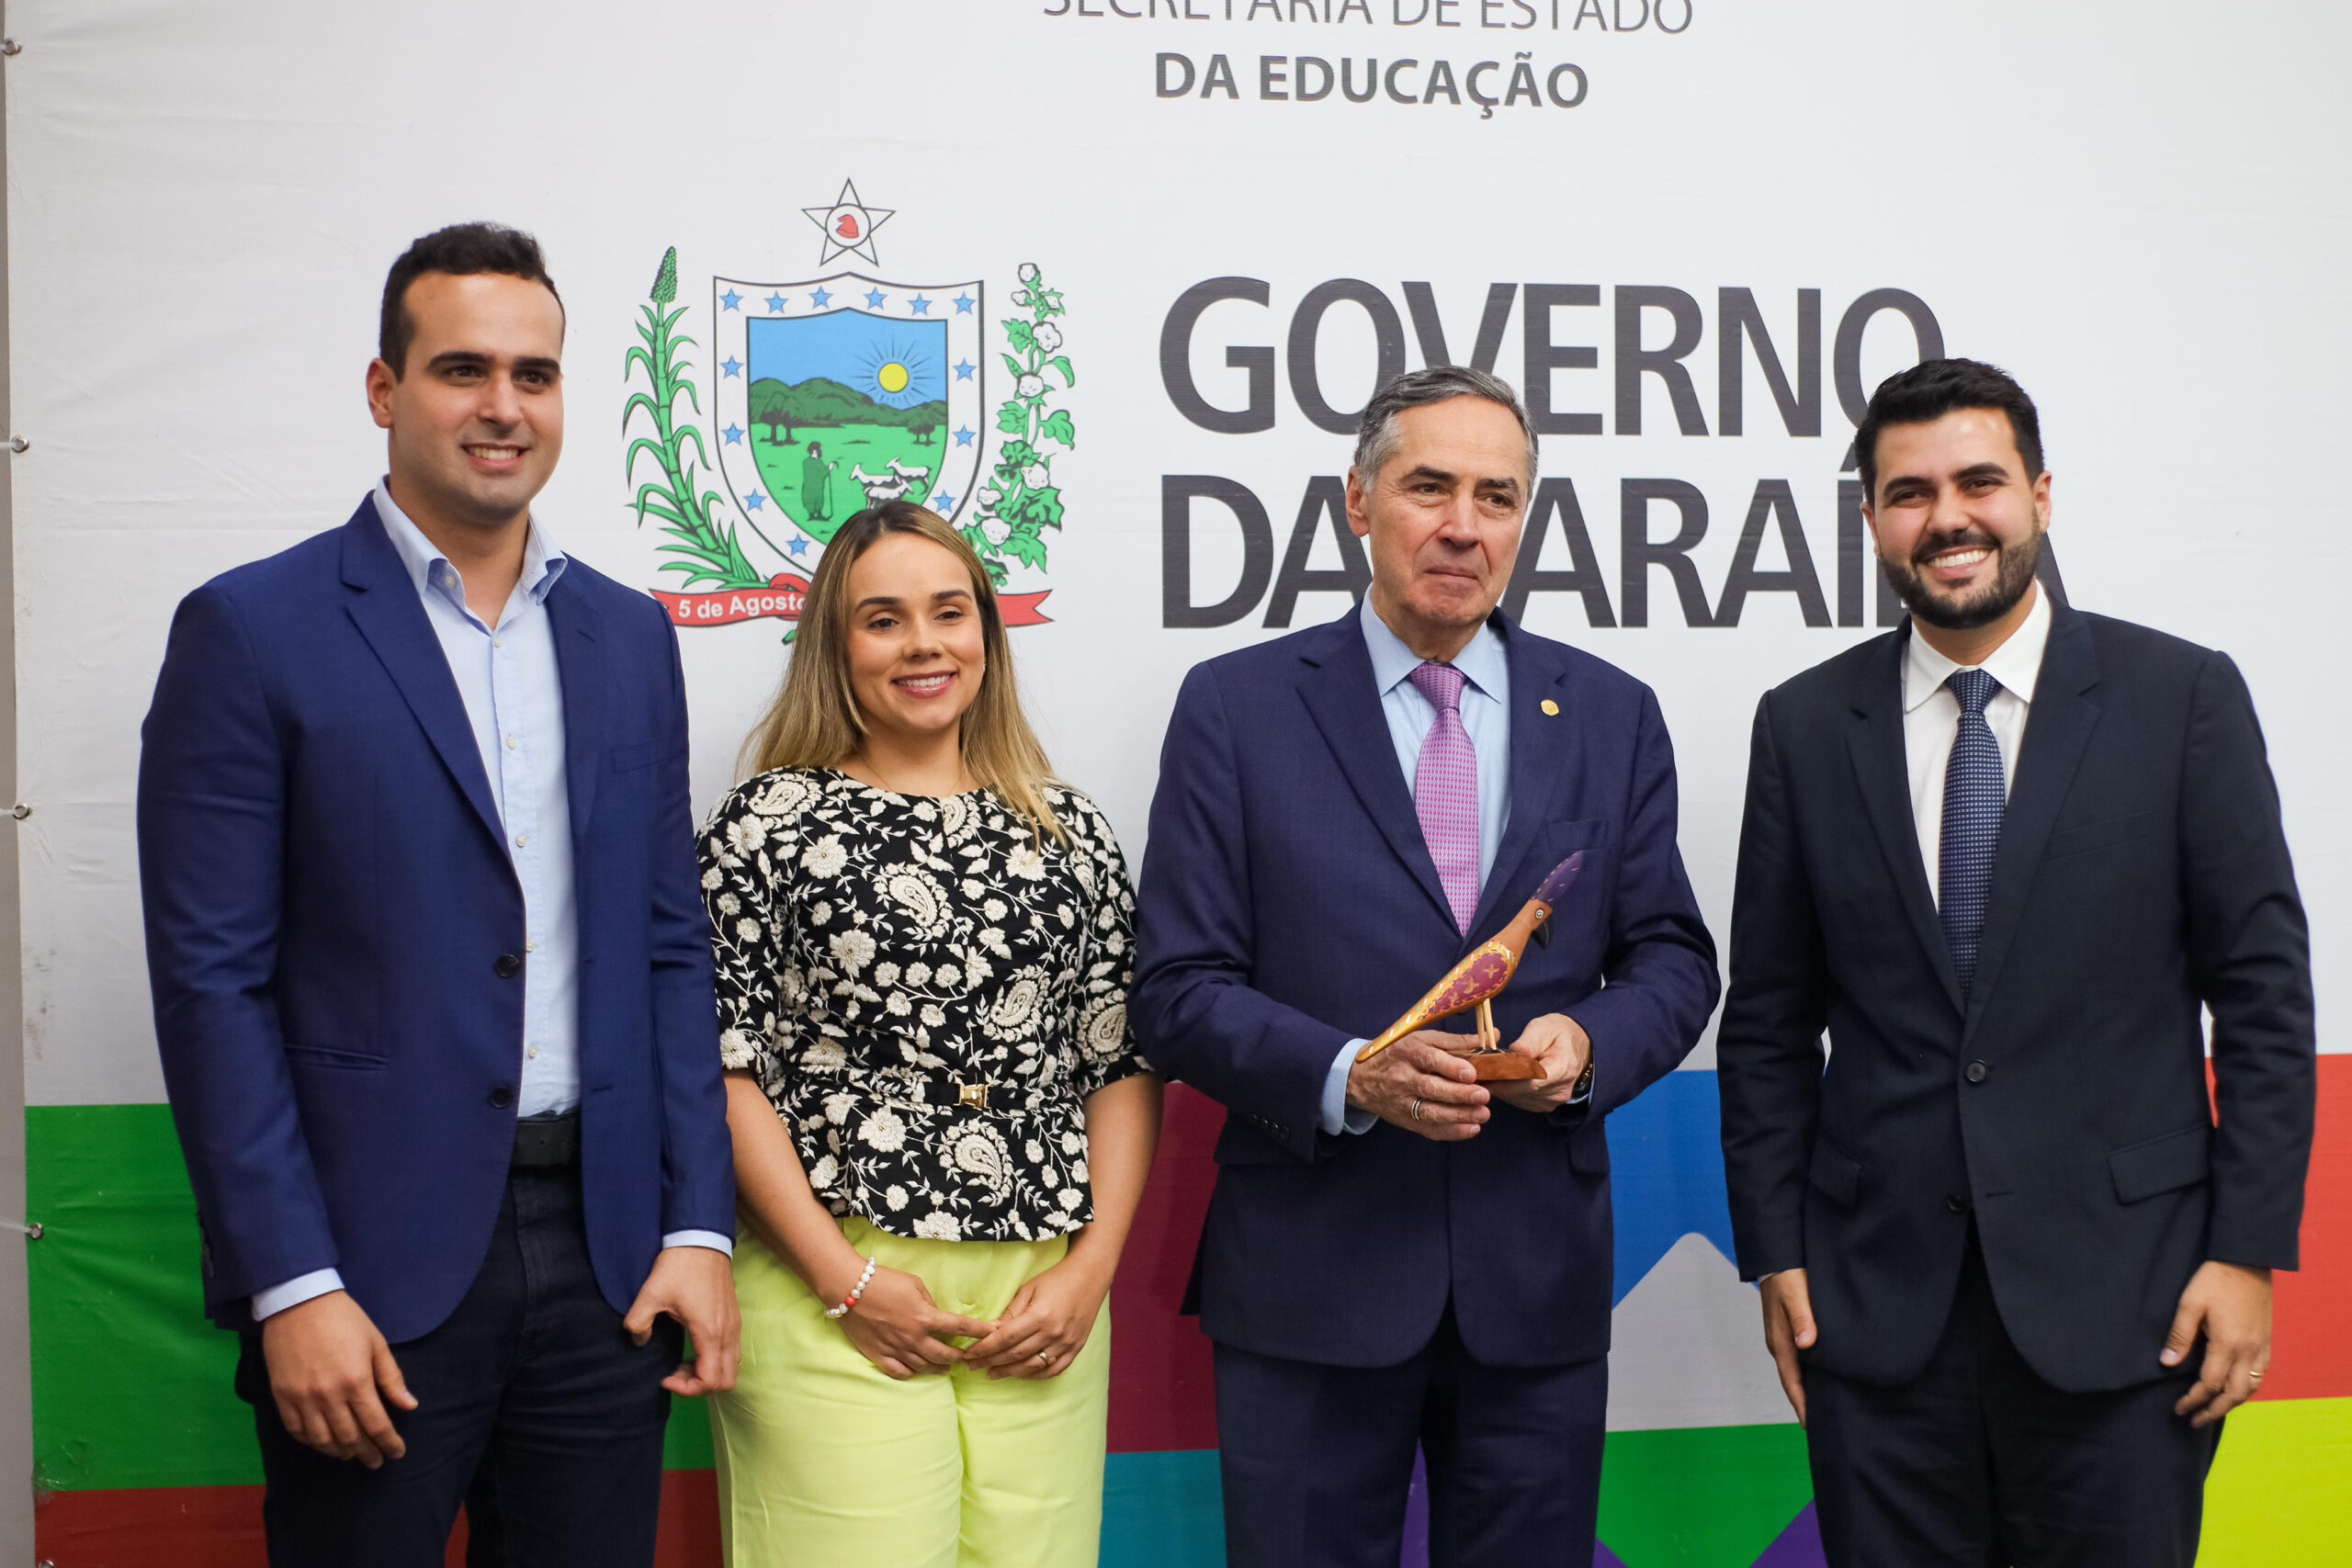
[{"x": 849, "y": 432}]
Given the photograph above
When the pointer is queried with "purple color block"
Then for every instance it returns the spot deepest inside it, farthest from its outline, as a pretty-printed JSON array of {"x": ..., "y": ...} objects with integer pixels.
[
  {"x": 1417, "y": 1517},
  {"x": 1798, "y": 1546},
  {"x": 1417, "y": 1533}
]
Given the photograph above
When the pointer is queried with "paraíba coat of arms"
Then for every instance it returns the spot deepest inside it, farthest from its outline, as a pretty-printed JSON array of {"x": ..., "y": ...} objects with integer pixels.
[{"x": 832, "y": 393}]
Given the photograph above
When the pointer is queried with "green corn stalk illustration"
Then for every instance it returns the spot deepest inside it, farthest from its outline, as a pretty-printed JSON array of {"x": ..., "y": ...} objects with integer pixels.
[{"x": 710, "y": 555}]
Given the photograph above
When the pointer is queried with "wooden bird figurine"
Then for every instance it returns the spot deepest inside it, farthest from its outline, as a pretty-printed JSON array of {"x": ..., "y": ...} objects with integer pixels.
[{"x": 1480, "y": 978}]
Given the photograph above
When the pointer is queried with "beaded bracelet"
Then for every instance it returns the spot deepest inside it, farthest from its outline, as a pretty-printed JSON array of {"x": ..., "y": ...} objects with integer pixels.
[{"x": 855, "y": 1291}]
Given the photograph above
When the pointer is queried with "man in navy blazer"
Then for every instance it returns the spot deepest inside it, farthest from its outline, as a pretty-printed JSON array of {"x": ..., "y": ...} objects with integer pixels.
[
  {"x": 1397, "y": 1255},
  {"x": 2013, "y": 1272},
  {"x": 432, "y": 978}
]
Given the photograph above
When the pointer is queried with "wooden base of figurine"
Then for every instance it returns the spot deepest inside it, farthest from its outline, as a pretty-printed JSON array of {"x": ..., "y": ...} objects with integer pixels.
[{"x": 1504, "y": 1064}]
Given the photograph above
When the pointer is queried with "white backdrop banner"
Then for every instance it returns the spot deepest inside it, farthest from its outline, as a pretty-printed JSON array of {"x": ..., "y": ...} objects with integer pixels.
[{"x": 1105, "y": 281}]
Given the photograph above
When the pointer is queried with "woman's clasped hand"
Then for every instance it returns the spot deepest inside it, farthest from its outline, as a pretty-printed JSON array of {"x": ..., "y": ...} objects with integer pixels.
[
  {"x": 897, "y": 1325},
  {"x": 1046, "y": 1325}
]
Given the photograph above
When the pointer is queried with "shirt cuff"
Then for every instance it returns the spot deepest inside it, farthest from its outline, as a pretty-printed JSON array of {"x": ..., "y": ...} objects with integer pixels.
[
  {"x": 294, "y": 1293},
  {"x": 1339, "y": 1116},
  {"x": 724, "y": 1246}
]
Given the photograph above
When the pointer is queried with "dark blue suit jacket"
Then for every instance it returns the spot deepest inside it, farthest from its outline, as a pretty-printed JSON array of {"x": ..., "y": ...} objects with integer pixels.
[
  {"x": 328, "y": 899},
  {"x": 2142, "y": 875},
  {"x": 1289, "y": 903}
]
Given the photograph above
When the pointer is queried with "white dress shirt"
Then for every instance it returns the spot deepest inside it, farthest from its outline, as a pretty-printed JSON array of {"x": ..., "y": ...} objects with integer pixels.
[
  {"x": 512, "y": 693},
  {"x": 1931, "y": 721}
]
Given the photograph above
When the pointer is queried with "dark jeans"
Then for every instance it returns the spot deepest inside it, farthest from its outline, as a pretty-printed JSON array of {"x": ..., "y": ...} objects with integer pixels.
[
  {"x": 534, "y": 1410},
  {"x": 1979, "y": 1463},
  {"x": 1316, "y": 1460}
]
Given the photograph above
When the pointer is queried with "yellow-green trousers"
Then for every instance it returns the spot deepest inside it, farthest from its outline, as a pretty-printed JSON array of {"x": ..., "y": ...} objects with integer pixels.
[{"x": 824, "y": 1460}]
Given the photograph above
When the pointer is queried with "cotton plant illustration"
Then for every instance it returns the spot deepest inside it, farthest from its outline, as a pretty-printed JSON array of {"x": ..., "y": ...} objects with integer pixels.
[
  {"x": 707, "y": 552},
  {"x": 1020, "y": 500}
]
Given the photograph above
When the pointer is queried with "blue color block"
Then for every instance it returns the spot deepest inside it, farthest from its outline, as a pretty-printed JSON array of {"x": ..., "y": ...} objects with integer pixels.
[
  {"x": 1666, "y": 1158},
  {"x": 1163, "y": 1510}
]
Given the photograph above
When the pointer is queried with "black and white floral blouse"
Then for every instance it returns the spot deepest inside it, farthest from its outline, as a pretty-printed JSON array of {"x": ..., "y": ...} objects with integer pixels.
[{"x": 927, "y": 990}]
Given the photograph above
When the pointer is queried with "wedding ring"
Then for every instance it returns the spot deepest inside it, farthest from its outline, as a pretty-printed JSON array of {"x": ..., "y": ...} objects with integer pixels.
[
  {"x": 1416, "y": 1108},
  {"x": 2254, "y": 1377},
  {"x": 1045, "y": 1358}
]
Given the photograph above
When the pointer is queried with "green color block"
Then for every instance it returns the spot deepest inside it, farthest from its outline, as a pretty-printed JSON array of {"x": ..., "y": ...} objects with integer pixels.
[
  {"x": 2280, "y": 1495},
  {"x": 132, "y": 1383},
  {"x": 1701, "y": 1496},
  {"x": 686, "y": 1445}
]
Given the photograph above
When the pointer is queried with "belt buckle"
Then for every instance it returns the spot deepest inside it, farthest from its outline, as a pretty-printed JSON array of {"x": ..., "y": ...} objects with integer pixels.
[{"x": 975, "y": 1095}]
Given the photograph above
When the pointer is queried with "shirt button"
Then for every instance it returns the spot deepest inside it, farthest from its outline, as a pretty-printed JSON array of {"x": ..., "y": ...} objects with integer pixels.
[
  {"x": 534, "y": 1053},
  {"x": 507, "y": 967},
  {"x": 530, "y": 947},
  {"x": 501, "y": 1098},
  {"x": 521, "y": 840},
  {"x": 511, "y": 743},
  {"x": 1977, "y": 1071},
  {"x": 498, "y": 642}
]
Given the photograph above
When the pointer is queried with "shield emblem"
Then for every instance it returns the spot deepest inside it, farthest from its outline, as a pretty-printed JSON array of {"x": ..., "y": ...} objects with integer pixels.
[{"x": 840, "y": 392}]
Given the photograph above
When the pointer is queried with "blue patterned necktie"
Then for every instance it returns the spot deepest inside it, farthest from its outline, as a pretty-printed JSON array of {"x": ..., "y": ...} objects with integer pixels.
[{"x": 1974, "y": 793}]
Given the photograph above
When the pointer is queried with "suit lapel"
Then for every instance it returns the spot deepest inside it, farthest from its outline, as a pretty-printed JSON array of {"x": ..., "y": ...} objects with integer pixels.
[
  {"x": 388, "y": 615},
  {"x": 1882, "y": 770},
  {"x": 2058, "y": 726},
  {"x": 580, "y": 665},
  {"x": 1340, "y": 697},
  {"x": 1541, "y": 761}
]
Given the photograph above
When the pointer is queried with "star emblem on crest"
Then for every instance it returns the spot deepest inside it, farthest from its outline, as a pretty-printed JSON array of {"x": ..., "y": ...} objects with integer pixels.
[{"x": 848, "y": 225}]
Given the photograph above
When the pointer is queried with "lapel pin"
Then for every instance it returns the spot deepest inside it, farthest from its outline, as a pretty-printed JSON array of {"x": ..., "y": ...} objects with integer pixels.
[{"x": 1551, "y": 708}]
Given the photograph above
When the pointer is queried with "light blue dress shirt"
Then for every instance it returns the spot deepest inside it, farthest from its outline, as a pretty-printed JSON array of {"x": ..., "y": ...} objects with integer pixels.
[
  {"x": 1485, "y": 718},
  {"x": 513, "y": 696},
  {"x": 513, "y": 692}
]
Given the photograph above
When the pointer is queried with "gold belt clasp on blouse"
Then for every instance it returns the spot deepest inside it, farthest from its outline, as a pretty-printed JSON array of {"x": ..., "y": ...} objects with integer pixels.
[{"x": 975, "y": 1095}]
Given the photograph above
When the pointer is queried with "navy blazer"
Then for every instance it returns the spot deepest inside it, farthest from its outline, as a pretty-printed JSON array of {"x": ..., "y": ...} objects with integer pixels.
[
  {"x": 1288, "y": 904},
  {"x": 2142, "y": 874},
  {"x": 333, "y": 927}
]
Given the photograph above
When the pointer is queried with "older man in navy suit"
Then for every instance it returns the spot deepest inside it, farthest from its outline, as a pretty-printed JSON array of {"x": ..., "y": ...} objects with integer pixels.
[
  {"x": 433, "y": 982},
  {"x": 1397, "y": 1255}
]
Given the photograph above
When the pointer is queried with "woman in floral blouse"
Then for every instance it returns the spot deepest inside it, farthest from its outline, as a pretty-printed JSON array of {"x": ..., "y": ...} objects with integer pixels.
[{"x": 940, "y": 1121}]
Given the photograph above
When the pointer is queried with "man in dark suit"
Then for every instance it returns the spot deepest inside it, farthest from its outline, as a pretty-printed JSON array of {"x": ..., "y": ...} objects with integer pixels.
[
  {"x": 1395, "y": 1254},
  {"x": 432, "y": 978},
  {"x": 2013, "y": 1273}
]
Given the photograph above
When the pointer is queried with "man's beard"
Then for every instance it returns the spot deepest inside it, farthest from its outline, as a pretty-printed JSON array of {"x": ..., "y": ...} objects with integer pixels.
[{"x": 2012, "y": 576}]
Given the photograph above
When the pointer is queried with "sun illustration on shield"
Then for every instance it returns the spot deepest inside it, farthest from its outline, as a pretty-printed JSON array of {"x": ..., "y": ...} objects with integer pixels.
[{"x": 897, "y": 374}]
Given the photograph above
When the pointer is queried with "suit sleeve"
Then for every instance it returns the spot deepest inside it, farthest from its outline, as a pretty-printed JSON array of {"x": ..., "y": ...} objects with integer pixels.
[
  {"x": 698, "y": 1155},
  {"x": 1768, "y": 1052},
  {"x": 1196, "y": 1015},
  {"x": 2249, "y": 951},
  {"x": 212, "y": 816},
  {"x": 1659, "y": 980}
]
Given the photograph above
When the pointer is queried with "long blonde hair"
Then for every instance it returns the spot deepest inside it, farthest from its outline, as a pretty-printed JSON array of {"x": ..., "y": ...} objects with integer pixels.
[{"x": 814, "y": 721}]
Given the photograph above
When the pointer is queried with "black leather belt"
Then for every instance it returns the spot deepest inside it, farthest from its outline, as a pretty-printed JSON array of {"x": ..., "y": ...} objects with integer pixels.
[{"x": 548, "y": 1142}]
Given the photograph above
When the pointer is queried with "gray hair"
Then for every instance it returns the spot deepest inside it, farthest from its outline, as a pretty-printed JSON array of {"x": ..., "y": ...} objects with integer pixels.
[{"x": 1376, "y": 433}]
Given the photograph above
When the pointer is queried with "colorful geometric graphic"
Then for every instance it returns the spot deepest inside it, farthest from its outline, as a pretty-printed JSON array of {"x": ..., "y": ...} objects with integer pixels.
[{"x": 143, "y": 1455}]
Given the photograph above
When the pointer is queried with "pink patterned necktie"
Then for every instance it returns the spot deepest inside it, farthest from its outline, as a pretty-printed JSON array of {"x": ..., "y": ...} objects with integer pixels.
[{"x": 1445, "y": 791}]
